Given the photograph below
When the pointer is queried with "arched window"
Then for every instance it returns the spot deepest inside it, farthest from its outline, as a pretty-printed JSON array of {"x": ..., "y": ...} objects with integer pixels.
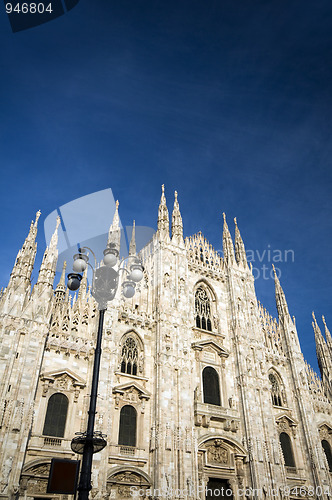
[
  {"x": 129, "y": 356},
  {"x": 275, "y": 391},
  {"x": 287, "y": 449},
  {"x": 211, "y": 386},
  {"x": 56, "y": 415},
  {"x": 203, "y": 310},
  {"x": 127, "y": 429},
  {"x": 327, "y": 450}
]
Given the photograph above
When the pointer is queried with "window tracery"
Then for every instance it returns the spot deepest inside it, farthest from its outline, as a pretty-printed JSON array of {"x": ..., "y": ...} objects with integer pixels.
[
  {"x": 203, "y": 310},
  {"x": 131, "y": 356},
  {"x": 277, "y": 395}
]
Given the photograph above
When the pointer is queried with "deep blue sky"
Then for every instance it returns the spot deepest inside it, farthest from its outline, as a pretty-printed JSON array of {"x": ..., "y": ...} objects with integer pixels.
[{"x": 229, "y": 102}]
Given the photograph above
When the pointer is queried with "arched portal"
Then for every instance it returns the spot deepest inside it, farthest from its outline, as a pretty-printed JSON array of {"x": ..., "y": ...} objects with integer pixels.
[{"x": 218, "y": 488}]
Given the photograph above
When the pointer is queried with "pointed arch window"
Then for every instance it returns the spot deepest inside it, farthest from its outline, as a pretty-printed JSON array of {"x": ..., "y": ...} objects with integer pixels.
[
  {"x": 129, "y": 356},
  {"x": 56, "y": 416},
  {"x": 276, "y": 392},
  {"x": 287, "y": 450},
  {"x": 211, "y": 389},
  {"x": 327, "y": 450},
  {"x": 203, "y": 310},
  {"x": 127, "y": 428}
]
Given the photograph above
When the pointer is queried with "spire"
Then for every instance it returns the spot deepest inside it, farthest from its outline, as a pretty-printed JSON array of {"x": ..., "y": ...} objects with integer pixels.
[
  {"x": 327, "y": 336},
  {"x": 132, "y": 245},
  {"x": 163, "y": 218},
  {"x": 177, "y": 225},
  {"x": 83, "y": 286},
  {"x": 227, "y": 244},
  {"x": 240, "y": 251},
  {"x": 54, "y": 240},
  {"x": 114, "y": 234},
  {"x": 281, "y": 302},
  {"x": 48, "y": 266},
  {"x": 318, "y": 333},
  {"x": 61, "y": 286},
  {"x": 21, "y": 273},
  {"x": 321, "y": 348}
]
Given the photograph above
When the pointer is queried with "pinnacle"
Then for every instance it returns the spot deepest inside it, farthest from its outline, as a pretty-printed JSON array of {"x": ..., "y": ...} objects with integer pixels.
[
  {"x": 38, "y": 214},
  {"x": 132, "y": 245}
]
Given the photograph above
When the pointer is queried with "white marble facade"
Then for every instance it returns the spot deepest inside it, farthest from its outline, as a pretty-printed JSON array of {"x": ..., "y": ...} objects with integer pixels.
[{"x": 222, "y": 396}]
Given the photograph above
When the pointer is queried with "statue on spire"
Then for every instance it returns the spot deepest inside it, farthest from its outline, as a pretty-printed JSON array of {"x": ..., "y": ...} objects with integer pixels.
[
  {"x": 177, "y": 225},
  {"x": 163, "y": 217},
  {"x": 328, "y": 337},
  {"x": 132, "y": 245},
  {"x": 240, "y": 251},
  {"x": 114, "y": 234},
  {"x": 48, "y": 266},
  {"x": 227, "y": 243},
  {"x": 19, "y": 286},
  {"x": 281, "y": 301}
]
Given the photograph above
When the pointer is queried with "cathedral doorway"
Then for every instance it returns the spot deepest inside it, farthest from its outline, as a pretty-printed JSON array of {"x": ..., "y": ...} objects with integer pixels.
[{"x": 218, "y": 488}]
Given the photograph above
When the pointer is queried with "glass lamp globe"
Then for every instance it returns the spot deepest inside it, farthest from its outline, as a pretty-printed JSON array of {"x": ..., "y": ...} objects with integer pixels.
[
  {"x": 110, "y": 259},
  {"x": 136, "y": 273},
  {"x": 74, "y": 281},
  {"x": 79, "y": 265},
  {"x": 128, "y": 289}
]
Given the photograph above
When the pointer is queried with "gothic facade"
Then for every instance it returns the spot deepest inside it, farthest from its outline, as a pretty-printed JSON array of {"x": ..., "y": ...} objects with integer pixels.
[{"x": 202, "y": 394}]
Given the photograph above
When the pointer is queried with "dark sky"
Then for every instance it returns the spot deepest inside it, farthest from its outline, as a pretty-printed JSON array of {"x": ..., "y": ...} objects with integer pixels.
[{"x": 229, "y": 102}]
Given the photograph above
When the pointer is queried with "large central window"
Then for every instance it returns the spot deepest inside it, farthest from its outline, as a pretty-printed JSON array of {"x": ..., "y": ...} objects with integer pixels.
[
  {"x": 287, "y": 450},
  {"x": 275, "y": 390},
  {"x": 203, "y": 310},
  {"x": 129, "y": 356},
  {"x": 127, "y": 429},
  {"x": 211, "y": 386},
  {"x": 56, "y": 415}
]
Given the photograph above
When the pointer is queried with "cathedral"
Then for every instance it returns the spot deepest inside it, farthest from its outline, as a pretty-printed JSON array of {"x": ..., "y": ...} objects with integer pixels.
[{"x": 202, "y": 393}]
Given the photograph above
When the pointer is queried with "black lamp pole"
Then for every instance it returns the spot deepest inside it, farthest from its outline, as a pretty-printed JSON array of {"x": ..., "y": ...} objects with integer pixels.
[
  {"x": 104, "y": 287},
  {"x": 85, "y": 479}
]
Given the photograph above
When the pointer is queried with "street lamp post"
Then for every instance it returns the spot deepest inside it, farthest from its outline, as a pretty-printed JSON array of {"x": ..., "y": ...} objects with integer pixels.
[{"x": 104, "y": 286}]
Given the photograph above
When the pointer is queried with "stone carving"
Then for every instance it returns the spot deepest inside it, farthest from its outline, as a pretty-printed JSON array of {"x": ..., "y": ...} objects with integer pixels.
[
  {"x": 5, "y": 472},
  {"x": 216, "y": 453},
  {"x": 18, "y": 416},
  {"x": 63, "y": 382},
  {"x": 188, "y": 440},
  {"x": 168, "y": 437},
  {"x": 325, "y": 432},
  {"x": 127, "y": 477},
  {"x": 37, "y": 486},
  {"x": 286, "y": 425},
  {"x": 124, "y": 491},
  {"x": 41, "y": 470},
  {"x": 166, "y": 280},
  {"x": 131, "y": 395}
]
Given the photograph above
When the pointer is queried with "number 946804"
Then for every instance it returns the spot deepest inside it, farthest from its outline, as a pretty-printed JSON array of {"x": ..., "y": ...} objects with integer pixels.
[{"x": 28, "y": 8}]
